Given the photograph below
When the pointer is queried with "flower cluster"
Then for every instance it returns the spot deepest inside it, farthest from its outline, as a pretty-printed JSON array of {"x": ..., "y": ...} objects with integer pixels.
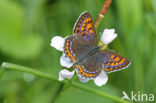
[{"x": 58, "y": 42}]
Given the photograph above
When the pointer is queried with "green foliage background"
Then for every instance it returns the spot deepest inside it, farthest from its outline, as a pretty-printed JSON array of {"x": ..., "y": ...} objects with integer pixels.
[{"x": 26, "y": 29}]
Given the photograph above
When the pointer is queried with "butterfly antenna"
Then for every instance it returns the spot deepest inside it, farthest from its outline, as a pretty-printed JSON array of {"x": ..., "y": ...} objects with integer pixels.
[{"x": 115, "y": 51}]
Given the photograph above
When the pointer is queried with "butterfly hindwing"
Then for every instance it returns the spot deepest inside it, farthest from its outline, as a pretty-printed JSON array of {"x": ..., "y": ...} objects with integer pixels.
[
  {"x": 90, "y": 67},
  {"x": 113, "y": 62},
  {"x": 85, "y": 28}
]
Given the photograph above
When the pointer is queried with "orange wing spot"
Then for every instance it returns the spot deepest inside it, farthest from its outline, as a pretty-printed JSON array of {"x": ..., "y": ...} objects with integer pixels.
[
  {"x": 89, "y": 19},
  {"x": 112, "y": 64},
  {"x": 89, "y": 26},
  {"x": 68, "y": 52},
  {"x": 82, "y": 29},
  {"x": 86, "y": 74},
  {"x": 86, "y": 20},
  {"x": 108, "y": 64},
  {"x": 117, "y": 59},
  {"x": 76, "y": 28},
  {"x": 81, "y": 33},
  {"x": 83, "y": 25},
  {"x": 92, "y": 75},
  {"x": 79, "y": 67},
  {"x": 83, "y": 73},
  {"x": 121, "y": 61},
  {"x": 112, "y": 56},
  {"x": 91, "y": 31},
  {"x": 107, "y": 70},
  {"x": 116, "y": 63}
]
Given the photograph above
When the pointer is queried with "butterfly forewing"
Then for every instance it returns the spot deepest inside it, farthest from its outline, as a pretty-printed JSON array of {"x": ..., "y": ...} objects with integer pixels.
[
  {"x": 85, "y": 28},
  {"x": 83, "y": 40},
  {"x": 75, "y": 47}
]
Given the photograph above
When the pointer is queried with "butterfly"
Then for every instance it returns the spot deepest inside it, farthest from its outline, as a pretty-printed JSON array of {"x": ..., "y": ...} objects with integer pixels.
[{"x": 83, "y": 49}]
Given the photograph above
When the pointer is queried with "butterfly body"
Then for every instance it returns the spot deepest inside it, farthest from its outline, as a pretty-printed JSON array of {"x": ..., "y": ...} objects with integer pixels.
[{"x": 90, "y": 56}]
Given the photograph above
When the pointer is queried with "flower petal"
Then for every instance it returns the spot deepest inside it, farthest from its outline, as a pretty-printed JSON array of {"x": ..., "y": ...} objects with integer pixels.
[
  {"x": 101, "y": 79},
  {"x": 65, "y": 74},
  {"x": 108, "y": 36},
  {"x": 57, "y": 42},
  {"x": 64, "y": 61}
]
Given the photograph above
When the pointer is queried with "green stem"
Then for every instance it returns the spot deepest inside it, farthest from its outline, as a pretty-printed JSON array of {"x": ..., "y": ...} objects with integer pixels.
[
  {"x": 49, "y": 76},
  {"x": 57, "y": 92},
  {"x": 1, "y": 72}
]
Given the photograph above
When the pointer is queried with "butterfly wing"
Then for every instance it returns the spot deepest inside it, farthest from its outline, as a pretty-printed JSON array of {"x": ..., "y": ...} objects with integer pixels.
[
  {"x": 113, "y": 62},
  {"x": 90, "y": 67},
  {"x": 83, "y": 40},
  {"x": 85, "y": 28}
]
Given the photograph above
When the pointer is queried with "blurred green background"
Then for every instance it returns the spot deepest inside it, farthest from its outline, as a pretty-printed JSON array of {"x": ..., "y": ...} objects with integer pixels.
[{"x": 26, "y": 29}]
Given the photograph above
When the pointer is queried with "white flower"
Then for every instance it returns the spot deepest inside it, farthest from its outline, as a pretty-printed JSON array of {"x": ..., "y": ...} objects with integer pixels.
[
  {"x": 65, "y": 61},
  {"x": 65, "y": 74},
  {"x": 100, "y": 80},
  {"x": 108, "y": 36},
  {"x": 58, "y": 43}
]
